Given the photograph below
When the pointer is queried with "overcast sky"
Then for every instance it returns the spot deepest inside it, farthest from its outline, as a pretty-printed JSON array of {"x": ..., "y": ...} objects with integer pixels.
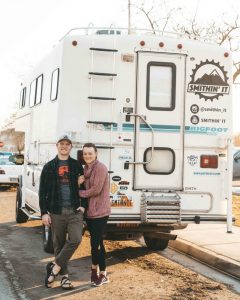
[{"x": 29, "y": 29}]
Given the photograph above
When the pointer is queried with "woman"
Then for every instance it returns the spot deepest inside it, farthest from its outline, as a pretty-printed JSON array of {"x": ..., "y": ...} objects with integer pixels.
[{"x": 97, "y": 192}]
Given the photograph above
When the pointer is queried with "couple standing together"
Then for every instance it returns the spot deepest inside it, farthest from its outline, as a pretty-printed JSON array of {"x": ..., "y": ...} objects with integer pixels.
[{"x": 66, "y": 194}]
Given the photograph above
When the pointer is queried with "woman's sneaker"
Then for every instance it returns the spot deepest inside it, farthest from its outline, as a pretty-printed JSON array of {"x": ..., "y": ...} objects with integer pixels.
[
  {"x": 102, "y": 279},
  {"x": 94, "y": 275}
]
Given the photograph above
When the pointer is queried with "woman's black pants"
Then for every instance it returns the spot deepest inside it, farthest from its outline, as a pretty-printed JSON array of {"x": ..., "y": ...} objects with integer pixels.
[{"x": 97, "y": 229}]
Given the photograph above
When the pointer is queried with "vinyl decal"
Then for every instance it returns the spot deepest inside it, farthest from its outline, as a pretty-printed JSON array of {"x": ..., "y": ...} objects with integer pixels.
[
  {"x": 122, "y": 201},
  {"x": 116, "y": 178},
  {"x": 114, "y": 188},
  {"x": 209, "y": 81},
  {"x": 192, "y": 160}
]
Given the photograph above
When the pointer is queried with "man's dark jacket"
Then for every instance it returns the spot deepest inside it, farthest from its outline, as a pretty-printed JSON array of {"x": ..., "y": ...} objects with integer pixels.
[{"x": 49, "y": 190}]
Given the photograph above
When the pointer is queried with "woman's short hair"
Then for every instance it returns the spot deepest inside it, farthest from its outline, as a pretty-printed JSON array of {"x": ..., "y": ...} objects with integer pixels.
[{"x": 90, "y": 145}]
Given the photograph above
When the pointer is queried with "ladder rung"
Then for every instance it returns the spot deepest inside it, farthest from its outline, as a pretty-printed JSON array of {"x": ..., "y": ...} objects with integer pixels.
[
  {"x": 101, "y": 98},
  {"x": 102, "y": 74},
  {"x": 105, "y": 147},
  {"x": 103, "y": 49},
  {"x": 101, "y": 122}
]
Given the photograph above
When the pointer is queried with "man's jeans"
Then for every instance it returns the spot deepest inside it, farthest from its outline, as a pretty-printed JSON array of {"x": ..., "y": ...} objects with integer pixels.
[{"x": 67, "y": 235}]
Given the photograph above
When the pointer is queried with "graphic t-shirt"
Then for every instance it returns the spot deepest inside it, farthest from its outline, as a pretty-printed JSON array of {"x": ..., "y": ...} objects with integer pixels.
[{"x": 63, "y": 177}]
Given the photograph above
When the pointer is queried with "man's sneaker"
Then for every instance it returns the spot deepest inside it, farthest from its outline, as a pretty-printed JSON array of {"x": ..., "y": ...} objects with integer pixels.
[
  {"x": 94, "y": 275},
  {"x": 102, "y": 279}
]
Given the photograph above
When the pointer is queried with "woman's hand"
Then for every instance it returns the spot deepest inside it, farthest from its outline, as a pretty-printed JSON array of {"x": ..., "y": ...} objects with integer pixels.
[
  {"x": 80, "y": 208},
  {"x": 81, "y": 179}
]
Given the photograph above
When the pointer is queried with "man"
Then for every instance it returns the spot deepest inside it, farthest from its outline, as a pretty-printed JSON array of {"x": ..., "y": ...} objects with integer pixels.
[{"x": 62, "y": 209}]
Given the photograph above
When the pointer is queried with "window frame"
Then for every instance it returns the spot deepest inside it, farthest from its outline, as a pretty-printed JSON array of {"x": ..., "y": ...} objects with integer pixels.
[
  {"x": 37, "y": 87},
  {"x": 159, "y": 148},
  {"x": 57, "y": 86},
  {"x": 23, "y": 97},
  {"x": 36, "y": 91},
  {"x": 173, "y": 89}
]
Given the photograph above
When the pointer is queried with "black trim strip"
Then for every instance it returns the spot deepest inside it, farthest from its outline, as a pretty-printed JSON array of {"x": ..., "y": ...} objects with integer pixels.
[
  {"x": 102, "y": 74},
  {"x": 105, "y": 147},
  {"x": 101, "y": 98},
  {"x": 101, "y": 122},
  {"x": 103, "y": 49},
  {"x": 206, "y": 219}
]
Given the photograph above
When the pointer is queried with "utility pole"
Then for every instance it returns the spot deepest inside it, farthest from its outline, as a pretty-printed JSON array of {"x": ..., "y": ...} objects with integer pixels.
[{"x": 129, "y": 16}]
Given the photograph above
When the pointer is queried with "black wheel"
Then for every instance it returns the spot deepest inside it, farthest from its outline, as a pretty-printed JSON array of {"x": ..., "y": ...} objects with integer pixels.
[
  {"x": 21, "y": 217},
  {"x": 155, "y": 243},
  {"x": 47, "y": 239}
]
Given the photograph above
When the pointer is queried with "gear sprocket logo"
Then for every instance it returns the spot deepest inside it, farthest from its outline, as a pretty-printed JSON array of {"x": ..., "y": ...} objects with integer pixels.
[{"x": 209, "y": 81}]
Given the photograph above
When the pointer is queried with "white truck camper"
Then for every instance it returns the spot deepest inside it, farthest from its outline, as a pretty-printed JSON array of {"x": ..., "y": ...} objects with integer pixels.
[{"x": 159, "y": 109}]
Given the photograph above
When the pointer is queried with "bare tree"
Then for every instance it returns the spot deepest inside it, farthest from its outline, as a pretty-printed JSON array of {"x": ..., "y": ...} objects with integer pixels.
[
  {"x": 13, "y": 140},
  {"x": 226, "y": 34},
  {"x": 160, "y": 16},
  {"x": 157, "y": 13}
]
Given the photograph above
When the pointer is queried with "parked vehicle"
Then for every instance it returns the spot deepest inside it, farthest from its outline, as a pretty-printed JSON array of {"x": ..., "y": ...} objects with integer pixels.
[
  {"x": 159, "y": 110},
  {"x": 236, "y": 165},
  {"x": 11, "y": 167}
]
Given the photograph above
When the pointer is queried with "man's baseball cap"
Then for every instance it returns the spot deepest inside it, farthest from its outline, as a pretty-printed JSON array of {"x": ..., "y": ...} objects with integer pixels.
[{"x": 64, "y": 137}]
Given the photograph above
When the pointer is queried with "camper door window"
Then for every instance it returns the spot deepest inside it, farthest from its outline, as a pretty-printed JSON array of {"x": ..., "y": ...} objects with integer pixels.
[
  {"x": 163, "y": 160},
  {"x": 161, "y": 86}
]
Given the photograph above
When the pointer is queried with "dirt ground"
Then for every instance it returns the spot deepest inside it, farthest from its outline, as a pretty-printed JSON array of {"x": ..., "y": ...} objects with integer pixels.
[{"x": 135, "y": 272}]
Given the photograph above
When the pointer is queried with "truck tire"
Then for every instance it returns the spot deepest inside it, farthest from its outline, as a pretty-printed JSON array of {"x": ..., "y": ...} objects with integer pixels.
[
  {"x": 47, "y": 239},
  {"x": 155, "y": 243},
  {"x": 20, "y": 216}
]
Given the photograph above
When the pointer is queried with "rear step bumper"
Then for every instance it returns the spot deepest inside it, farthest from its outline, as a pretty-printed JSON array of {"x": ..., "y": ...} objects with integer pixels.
[{"x": 30, "y": 215}]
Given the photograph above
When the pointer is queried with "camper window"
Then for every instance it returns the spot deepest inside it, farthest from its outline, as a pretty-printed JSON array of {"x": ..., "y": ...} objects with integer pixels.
[
  {"x": 32, "y": 93},
  {"x": 39, "y": 90},
  {"x": 161, "y": 86},
  {"x": 36, "y": 91},
  {"x": 23, "y": 97},
  {"x": 163, "y": 161},
  {"x": 54, "y": 85}
]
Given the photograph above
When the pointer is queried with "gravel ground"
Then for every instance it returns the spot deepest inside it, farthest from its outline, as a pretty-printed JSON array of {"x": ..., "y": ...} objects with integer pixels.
[{"x": 135, "y": 272}]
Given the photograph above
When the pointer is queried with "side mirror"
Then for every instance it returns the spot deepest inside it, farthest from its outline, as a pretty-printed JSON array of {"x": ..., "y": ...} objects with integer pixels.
[{"x": 17, "y": 159}]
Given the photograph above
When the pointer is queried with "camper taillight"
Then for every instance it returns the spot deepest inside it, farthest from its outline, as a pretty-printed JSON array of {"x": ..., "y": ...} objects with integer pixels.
[{"x": 209, "y": 161}]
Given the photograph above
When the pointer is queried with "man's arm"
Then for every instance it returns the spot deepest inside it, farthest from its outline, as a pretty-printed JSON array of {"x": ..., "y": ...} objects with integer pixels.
[{"x": 43, "y": 191}]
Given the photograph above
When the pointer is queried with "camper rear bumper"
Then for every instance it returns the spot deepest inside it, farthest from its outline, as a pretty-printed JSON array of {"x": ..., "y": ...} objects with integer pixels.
[
  {"x": 133, "y": 231},
  {"x": 135, "y": 227}
]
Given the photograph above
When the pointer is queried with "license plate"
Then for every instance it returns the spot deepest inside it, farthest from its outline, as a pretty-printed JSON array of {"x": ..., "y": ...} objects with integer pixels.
[{"x": 13, "y": 179}]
